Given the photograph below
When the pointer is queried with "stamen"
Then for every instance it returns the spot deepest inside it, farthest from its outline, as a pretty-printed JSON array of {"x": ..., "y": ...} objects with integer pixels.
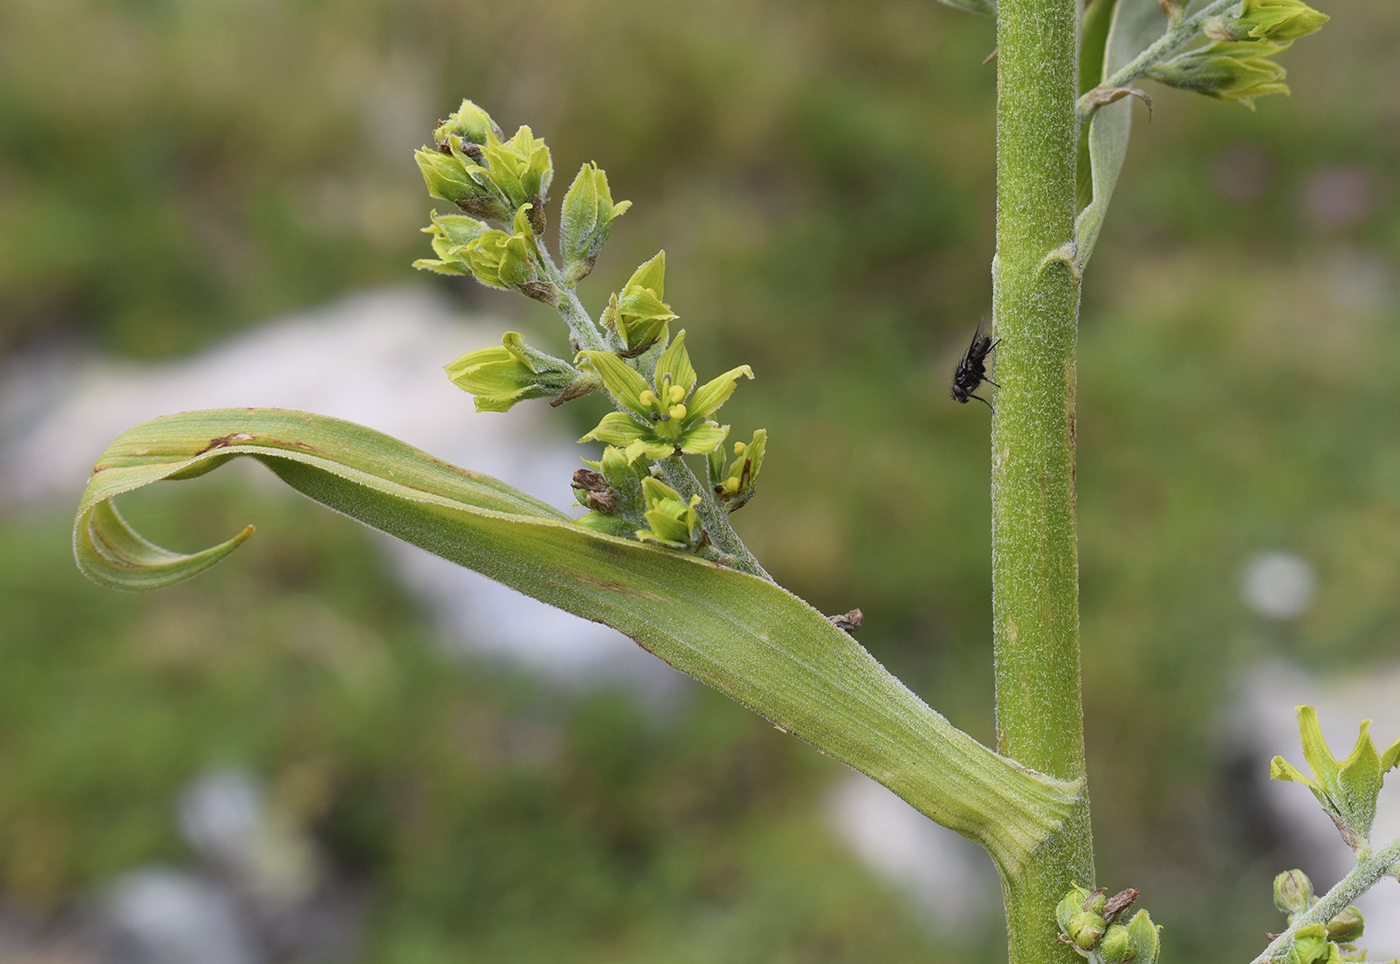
[
  {"x": 677, "y": 393},
  {"x": 678, "y": 411},
  {"x": 647, "y": 398}
]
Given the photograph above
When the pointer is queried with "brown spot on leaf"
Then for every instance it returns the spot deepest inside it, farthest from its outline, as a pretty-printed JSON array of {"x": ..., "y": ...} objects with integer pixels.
[
  {"x": 224, "y": 441},
  {"x": 618, "y": 587}
]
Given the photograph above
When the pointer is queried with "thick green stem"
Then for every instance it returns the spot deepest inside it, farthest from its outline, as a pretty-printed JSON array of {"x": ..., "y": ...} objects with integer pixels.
[{"x": 1035, "y": 569}]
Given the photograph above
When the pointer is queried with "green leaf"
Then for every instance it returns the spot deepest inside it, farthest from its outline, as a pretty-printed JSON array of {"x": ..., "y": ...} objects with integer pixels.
[
  {"x": 1136, "y": 24},
  {"x": 743, "y": 635},
  {"x": 985, "y": 7}
]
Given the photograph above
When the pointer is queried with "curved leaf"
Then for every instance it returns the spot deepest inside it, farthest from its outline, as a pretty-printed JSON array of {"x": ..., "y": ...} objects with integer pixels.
[
  {"x": 743, "y": 635},
  {"x": 1135, "y": 25}
]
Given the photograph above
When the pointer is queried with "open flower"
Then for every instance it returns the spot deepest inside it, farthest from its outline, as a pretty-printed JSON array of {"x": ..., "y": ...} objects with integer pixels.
[
  {"x": 668, "y": 416},
  {"x": 1347, "y": 789},
  {"x": 734, "y": 484}
]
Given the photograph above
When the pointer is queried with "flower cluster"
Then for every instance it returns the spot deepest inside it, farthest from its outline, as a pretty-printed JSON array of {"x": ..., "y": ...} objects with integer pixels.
[
  {"x": 667, "y": 416},
  {"x": 1089, "y": 923},
  {"x": 1326, "y": 942},
  {"x": 1238, "y": 64},
  {"x": 661, "y": 414}
]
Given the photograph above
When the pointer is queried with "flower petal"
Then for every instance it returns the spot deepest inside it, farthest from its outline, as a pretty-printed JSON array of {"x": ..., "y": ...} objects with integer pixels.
[
  {"x": 619, "y": 379},
  {"x": 711, "y": 395},
  {"x": 615, "y": 429},
  {"x": 675, "y": 361},
  {"x": 652, "y": 448},
  {"x": 703, "y": 437}
]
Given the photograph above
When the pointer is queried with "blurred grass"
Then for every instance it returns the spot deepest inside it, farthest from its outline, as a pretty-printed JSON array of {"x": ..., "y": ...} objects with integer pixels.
[{"x": 821, "y": 177}]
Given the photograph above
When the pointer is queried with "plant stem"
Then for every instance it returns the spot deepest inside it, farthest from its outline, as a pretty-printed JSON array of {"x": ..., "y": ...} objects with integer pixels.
[
  {"x": 1035, "y": 568},
  {"x": 678, "y": 475},
  {"x": 1369, "y": 869},
  {"x": 583, "y": 331}
]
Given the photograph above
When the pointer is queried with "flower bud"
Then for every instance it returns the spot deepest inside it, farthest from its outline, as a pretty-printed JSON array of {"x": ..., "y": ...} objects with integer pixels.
[
  {"x": 1311, "y": 946},
  {"x": 1117, "y": 946},
  {"x": 1085, "y": 928},
  {"x": 1293, "y": 893},
  {"x": 1347, "y": 926},
  {"x": 448, "y": 178},
  {"x": 1068, "y": 907},
  {"x": 469, "y": 122},
  {"x": 1239, "y": 70},
  {"x": 1147, "y": 942},
  {"x": 501, "y": 376},
  {"x": 637, "y": 313},
  {"x": 1278, "y": 20},
  {"x": 587, "y": 221},
  {"x": 672, "y": 522}
]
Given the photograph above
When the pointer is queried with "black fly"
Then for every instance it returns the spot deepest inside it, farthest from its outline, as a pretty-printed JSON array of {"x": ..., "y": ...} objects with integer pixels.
[{"x": 972, "y": 370}]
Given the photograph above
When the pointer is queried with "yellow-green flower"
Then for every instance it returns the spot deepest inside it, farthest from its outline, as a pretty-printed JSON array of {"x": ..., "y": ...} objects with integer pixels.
[
  {"x": 735, "y": 484},
  {"x": 673, "y": 521},
  {"x": 511, "y": 372},
  {"x": 1230, "y": 70},
  {"x": 638, "y": 313},
  {"x": 586, "y": 221},
  {"x": 1347, "y": 789},
  {"x": 1278, "y": 20},
  {"x": 668, "y": 416},
  {"x": 451, "y": 233}
]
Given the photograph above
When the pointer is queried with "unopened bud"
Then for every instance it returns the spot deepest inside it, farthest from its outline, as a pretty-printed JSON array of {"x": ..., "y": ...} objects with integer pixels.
[
  {"x": 1347, "y": 926},
  {"x": 1071, "y": 905},
  {"x": 1293, "y": 893},
  {"x": 1117, "y": 946},
  {"x": 1085, "y": 928},
  {"x": 1147, "y": 943}
]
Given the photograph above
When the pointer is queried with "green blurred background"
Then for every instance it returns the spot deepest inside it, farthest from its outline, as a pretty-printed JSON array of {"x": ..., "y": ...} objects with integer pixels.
[{"x": 820, "y": 175}]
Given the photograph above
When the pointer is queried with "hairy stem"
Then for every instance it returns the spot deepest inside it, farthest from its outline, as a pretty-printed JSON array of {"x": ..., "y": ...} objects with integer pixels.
[
  {"x": 1369, "y": 869},
  {"x": 678, "y": 475},
  {"x": 1035, "y": 568},
  {"x": 583, "y": 330}
]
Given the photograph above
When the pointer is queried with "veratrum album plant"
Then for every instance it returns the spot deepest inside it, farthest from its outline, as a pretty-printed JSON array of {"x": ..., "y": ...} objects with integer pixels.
[{"x": 654, "y": 553}]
